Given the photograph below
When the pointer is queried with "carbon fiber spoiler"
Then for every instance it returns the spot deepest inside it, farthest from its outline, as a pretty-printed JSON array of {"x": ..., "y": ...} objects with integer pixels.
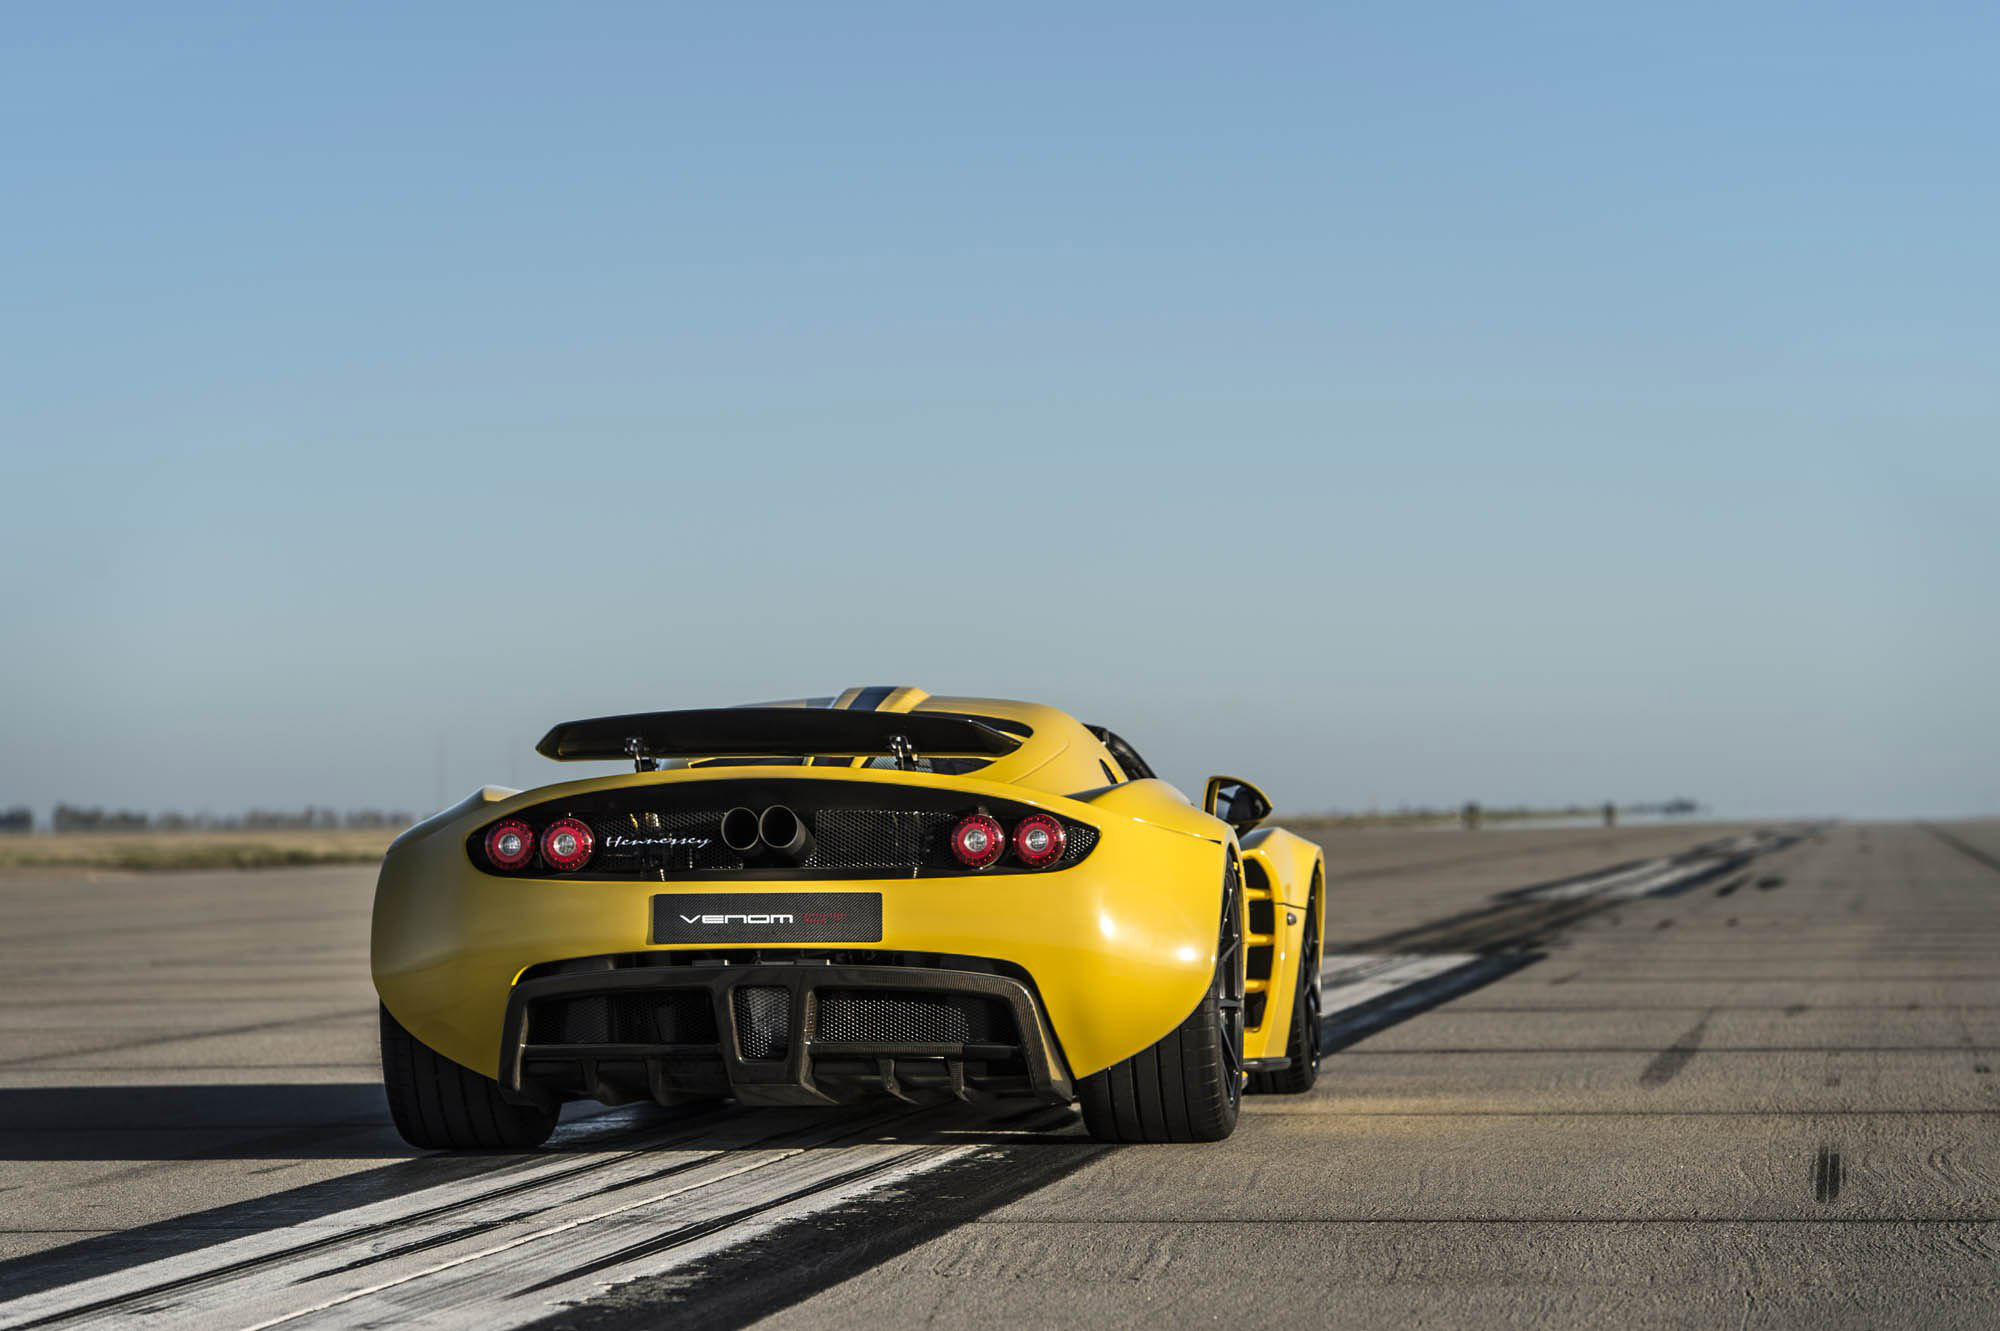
[{"x": 742, "y": 732}]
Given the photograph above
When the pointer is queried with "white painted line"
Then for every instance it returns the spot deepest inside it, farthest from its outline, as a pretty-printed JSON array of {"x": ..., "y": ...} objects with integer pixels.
[
  {"x": 1354, "y": 979},
  {"x": 463, "y": 1254},
  {"x": 578, "y": 1257},
  {"x": 552, "y": 1171},
  {"x": 1641, "y": 880},
  {"x": 1658, "y": 881},
  {"x": 1605, "y": 884},
  {"x": 1653, "y": 876}
]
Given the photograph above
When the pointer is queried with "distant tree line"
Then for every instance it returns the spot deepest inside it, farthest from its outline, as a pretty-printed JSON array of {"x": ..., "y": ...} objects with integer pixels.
[
  {"x": 75, "y": 818},
  {"x": 1673, "y": 808}
]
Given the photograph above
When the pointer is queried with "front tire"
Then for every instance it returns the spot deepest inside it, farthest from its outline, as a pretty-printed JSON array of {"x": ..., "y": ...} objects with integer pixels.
[
  {"x": 1187, "y": 1087},
  {"x": 439, "y": 1105}
]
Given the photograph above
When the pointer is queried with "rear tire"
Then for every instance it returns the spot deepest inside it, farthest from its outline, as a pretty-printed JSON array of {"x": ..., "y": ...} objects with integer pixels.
[
  {"x": 1302, "y": 1045},
  {"x": 1188, "y": 1087},
  {"x": 439, "y": 1105}
]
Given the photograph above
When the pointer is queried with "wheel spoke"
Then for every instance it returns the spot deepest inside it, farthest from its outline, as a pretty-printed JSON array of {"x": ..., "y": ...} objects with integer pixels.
[{"x": 1229, "y": 986}]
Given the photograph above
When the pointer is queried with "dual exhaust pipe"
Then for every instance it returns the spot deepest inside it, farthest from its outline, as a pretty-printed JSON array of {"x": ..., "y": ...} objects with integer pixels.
[{"x": 777, "y": 832}]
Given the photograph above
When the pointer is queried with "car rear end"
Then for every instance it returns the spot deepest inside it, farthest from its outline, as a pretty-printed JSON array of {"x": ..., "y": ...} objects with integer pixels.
[{"x": 791, "y": 935}]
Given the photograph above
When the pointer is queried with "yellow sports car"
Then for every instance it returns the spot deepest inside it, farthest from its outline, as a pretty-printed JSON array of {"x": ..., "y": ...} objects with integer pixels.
[{"x": 825, "y": 900}]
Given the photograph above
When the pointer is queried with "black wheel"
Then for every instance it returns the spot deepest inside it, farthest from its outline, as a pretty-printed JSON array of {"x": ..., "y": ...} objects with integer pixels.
[
  {"x": 1189, "y": 1086},
  {"x": 1302, "y": 1046},
  {"x": 442, "y": 1106}
]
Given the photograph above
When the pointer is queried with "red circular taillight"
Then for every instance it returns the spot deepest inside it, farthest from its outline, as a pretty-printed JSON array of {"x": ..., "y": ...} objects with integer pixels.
[
  {"x": 1039, "y": 840},
  {"x": 510, "y": 845},
  {"x": 978, "y": 841},
  {"x": 566, "y": 844}
]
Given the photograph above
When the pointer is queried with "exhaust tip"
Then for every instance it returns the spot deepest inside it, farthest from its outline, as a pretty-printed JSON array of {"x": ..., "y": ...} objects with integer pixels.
[
  {"x": 739, "y": 830},
  {"x": 784, "y": 833}
]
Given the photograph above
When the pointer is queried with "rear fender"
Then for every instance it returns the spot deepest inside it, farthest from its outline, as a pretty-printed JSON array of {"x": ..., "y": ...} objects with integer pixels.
[{"x": 1159, "y": 804}]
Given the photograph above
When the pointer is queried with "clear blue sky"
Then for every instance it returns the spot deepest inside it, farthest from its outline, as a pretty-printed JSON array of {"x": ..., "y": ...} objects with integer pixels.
[{"x": 1388, "y": 402}]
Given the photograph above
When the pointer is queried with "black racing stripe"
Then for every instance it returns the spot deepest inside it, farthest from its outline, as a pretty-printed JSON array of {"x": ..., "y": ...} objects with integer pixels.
[
  {"x": 867, "y": 700},
  {"x": 830, "y": 704}
]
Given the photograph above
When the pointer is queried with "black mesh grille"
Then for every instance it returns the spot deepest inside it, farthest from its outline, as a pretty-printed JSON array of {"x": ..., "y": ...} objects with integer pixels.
[
  {"x": 1263, "y": 916},
  {"x": 878, "y": 838},
  {"x": 763, "y": 1021},
  {"x": 669, "y": 1018},
  {"x": 866, "y": 1016}
]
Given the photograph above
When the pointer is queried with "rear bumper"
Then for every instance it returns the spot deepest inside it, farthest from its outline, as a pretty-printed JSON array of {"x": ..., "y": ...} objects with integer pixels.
[{"x": 805, "y": 1033}]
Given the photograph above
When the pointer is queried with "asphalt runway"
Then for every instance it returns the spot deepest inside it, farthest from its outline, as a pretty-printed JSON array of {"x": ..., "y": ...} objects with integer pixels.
[{"x": 1653, "y": 1076}]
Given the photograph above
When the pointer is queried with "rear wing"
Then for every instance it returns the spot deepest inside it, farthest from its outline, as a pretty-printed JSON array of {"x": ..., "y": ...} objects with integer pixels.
[{"x": 745, "y": 732}]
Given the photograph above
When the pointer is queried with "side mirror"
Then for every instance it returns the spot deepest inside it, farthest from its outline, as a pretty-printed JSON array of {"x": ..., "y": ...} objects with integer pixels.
[{"x": 1236, "y": 802}]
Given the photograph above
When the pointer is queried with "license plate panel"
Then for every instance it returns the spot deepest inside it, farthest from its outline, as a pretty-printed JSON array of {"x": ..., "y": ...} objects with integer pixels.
[{"x": 740, "y": 918}]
